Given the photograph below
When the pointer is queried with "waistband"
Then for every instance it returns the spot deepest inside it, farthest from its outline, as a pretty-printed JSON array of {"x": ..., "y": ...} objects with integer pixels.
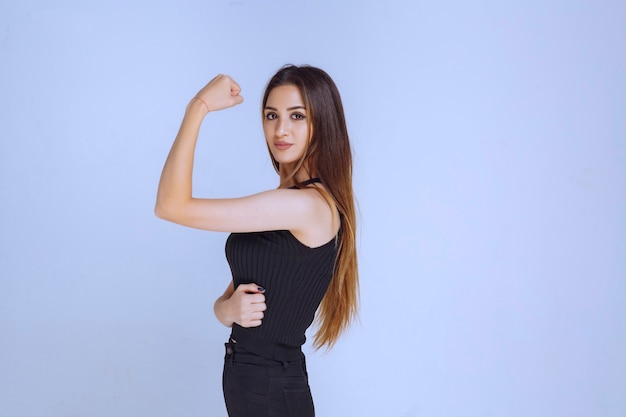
[{"x": 267, "y": 350}]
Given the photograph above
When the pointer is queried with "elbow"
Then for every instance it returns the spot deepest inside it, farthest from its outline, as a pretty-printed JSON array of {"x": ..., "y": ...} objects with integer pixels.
[
  {"x": 158, "y": 211},
  {"x": 162, "y": 212},
  {"x": 171, "y": 212},
  {"x": 164, "y": 206}
]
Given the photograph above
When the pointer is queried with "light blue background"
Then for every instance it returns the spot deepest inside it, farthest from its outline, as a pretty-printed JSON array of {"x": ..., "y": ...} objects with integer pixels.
[{"x": 490, "y": 169}]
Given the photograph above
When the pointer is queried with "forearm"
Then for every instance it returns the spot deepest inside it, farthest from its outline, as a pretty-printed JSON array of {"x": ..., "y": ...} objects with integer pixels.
[
  {"x": 175, "y": 186},
  {"x": 221, "y": 309}
]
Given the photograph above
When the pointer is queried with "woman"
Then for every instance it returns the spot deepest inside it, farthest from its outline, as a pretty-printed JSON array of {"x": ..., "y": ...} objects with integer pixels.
[{"x": 292, "y": 249}]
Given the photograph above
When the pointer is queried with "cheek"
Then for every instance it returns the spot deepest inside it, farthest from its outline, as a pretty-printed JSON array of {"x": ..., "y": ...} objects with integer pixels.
[
  {"x": 266, "y": 132},
  {"x": 303, "y": 132}
]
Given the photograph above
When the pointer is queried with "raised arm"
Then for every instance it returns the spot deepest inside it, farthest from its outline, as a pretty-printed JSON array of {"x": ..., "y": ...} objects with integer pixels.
[
  {"x": 281, "y": 209},
  {"x": 175, "y": 187}
]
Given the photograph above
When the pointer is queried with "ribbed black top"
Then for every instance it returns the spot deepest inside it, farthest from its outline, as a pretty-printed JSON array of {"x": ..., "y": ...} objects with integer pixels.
[{"x": 295, "y": 278}]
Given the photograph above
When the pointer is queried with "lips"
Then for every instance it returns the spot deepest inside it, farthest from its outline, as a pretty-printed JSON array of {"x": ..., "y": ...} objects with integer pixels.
[{"x": 283, "y": 145}]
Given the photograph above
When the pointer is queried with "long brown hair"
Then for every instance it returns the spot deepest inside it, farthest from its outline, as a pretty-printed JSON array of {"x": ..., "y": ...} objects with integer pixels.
[{"x": 328, "y": 157}]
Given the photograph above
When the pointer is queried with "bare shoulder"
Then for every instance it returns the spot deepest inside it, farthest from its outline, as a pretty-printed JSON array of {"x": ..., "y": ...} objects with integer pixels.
[
  {"x": 304, "y": 212},
  {"x": 323, "y": 216}
]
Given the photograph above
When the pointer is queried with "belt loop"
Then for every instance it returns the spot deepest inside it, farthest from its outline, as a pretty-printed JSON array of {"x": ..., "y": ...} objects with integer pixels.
[{"x": 230, "y": 352}]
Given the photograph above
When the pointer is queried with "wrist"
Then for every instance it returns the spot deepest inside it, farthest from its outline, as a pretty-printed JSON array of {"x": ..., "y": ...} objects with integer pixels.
[{"x": 198, "y": 106}]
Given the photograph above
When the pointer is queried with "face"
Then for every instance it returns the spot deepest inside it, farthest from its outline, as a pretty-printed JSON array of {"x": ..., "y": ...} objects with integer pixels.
[{"x": 285, "y": 124}]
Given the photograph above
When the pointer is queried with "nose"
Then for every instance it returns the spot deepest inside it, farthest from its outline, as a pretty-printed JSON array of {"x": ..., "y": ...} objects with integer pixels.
[{"x": 282, "y": 128}]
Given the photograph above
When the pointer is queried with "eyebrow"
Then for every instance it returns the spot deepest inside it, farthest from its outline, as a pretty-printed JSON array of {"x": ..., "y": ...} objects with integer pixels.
[{"x": 288, "y": 108}]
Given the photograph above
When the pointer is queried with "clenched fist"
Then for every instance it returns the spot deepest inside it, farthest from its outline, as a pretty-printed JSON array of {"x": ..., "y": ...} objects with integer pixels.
[
  {"x": 220, "y": 93},
  {"x": 244, "y": 306}
]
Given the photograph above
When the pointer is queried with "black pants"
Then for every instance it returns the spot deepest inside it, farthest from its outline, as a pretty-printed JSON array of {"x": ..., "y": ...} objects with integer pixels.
[{"x": 255, "y": 386}]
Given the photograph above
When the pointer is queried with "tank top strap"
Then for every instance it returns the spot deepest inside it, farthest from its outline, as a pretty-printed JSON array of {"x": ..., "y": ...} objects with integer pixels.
[{"x": 308, "y": 182}]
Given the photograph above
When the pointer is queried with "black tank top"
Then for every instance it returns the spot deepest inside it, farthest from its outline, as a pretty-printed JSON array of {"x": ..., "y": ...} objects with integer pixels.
[{"x": 295, "y": 278}]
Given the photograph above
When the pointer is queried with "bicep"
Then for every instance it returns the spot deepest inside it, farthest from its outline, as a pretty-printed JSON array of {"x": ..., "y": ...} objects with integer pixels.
[{"x": 269, "y": 210}]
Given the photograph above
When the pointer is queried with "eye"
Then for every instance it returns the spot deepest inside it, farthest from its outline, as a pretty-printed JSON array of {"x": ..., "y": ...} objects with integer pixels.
[
  {"x": 298, "y": 116},
  {"x": 271, "y": 116}
]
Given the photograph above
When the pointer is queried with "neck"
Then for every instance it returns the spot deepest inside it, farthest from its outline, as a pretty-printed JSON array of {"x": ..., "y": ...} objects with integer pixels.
[{"x": 301, "y": 176}]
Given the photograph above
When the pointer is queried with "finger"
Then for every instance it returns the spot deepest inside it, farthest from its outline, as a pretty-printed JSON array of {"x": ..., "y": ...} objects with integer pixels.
[
  {"x": 251, "y": 323},
  {"x": 256, "y": 299},
  {"x": 257, "y": 315},
  {"x": 251, "y": 288},
  {"x": 255, "y": 323},
  {"x": 257, "y": 318},
  {"x": 237, "y": 99},
  {"x": 254, "y": 308},
  {"x": 235, "y": 89},
  {"x": 252, "y": 320}
]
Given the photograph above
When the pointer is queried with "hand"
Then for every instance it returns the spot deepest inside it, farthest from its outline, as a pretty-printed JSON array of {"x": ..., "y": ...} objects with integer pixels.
[
  {"x": 246, "y": 306},
  {"x": 220, "y": 93}
]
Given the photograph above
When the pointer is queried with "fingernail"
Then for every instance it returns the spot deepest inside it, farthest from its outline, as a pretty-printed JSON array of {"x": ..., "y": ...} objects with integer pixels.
[{"x": 261, "y": 289}]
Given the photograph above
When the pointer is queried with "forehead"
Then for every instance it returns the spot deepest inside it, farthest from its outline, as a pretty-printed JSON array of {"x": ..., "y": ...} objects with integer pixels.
[{"x": 284, "y": 96}]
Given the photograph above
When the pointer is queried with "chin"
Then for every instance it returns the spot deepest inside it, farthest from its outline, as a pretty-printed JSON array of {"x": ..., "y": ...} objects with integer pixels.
[{"x": 281, "y": 159}]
